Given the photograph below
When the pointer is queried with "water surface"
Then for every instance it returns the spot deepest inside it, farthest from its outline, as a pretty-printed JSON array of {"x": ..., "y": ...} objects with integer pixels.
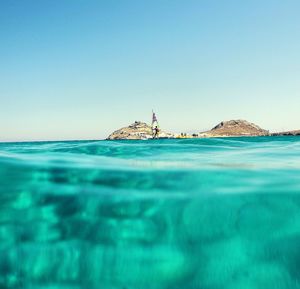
[{"x": 159, "y": 214}]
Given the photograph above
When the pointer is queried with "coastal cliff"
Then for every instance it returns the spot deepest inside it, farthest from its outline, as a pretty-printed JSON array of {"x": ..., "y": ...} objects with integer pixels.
[
  {"x": 235, "y": 128},
  {"x": 137, "y": 130}
]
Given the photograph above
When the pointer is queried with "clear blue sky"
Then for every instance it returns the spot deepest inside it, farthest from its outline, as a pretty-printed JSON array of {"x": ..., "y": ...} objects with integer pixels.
[{"x": 79, "y": 69}]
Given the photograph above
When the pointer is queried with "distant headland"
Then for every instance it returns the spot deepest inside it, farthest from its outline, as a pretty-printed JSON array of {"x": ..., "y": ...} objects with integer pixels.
[{"x": 232, "y": 128}]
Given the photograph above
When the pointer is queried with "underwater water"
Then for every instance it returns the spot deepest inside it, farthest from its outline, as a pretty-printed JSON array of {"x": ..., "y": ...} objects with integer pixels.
[{"x": 160, "y": 214}]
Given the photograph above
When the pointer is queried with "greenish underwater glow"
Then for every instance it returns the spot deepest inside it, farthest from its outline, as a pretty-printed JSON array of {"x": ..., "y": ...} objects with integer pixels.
[{"x": 162, "y": 214}]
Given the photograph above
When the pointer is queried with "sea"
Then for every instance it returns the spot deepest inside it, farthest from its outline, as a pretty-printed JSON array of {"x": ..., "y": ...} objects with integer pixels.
[{"x": 218, "y": 213}]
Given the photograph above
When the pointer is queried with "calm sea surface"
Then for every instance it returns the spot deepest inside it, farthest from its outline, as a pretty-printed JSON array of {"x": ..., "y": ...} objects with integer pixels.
[{"x": 159, "y": 214}]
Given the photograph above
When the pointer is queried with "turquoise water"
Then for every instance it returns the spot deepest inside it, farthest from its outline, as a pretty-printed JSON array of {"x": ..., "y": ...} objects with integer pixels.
[{"x": 160, "y": 214}]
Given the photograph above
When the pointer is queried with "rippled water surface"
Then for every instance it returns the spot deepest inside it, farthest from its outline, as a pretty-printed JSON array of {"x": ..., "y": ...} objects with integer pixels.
[{"x": 160, "y": 214}]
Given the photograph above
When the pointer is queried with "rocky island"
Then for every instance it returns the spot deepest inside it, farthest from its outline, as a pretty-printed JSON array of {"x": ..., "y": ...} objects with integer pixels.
[
  {"x": 137, "y": 130},
  {"x": 232, "y": 128},
  {"x": 235, "y": 128}
]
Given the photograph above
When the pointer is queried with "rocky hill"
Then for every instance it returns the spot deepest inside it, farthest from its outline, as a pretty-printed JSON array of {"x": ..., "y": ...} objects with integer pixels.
[
  {"x": 235, "y": 128},
  {"x": 137, "y": 130}
]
